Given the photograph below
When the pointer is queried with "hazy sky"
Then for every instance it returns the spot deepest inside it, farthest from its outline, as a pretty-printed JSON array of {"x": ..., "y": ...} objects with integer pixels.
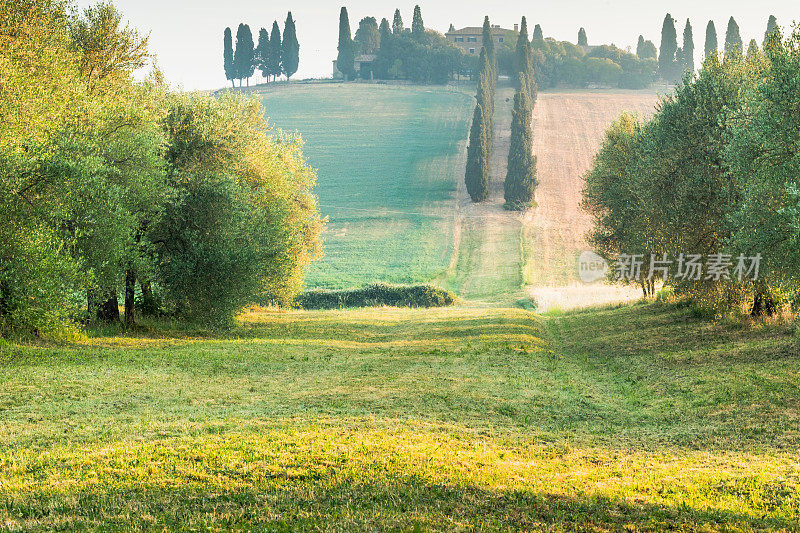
[{"x": 187, "y": 36}]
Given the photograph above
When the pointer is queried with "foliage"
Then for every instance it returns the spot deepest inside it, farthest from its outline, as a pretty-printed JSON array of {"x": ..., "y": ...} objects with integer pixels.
[
  {"x": 397, "y": 23},
  {"x": 368, "y": 37},
  {"x": 646, "y": 49},
  {"x": 478, "y": 156},
  {"x": 274, "y": 67},
  {"x": 243, "y": 56},
  {"x": 380, "y": 294},
  {"x": 687, "y": 51},
  {"x": 418, "y": 26},
  {"x": 582, "y": 40}
]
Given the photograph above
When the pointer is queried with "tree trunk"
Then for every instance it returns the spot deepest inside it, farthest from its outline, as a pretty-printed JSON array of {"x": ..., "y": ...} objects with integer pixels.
[
  {"x": 130, "y": 298},
  {"x": 108, "y": 311},
  {"x": 763, "y": 302},
  {"x": 149, "y": 305}
]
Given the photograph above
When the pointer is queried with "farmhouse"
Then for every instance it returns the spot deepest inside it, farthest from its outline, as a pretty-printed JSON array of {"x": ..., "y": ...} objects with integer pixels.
[
  {"x": 363, "y": 64},
  {"x": 470, "y": 39}
]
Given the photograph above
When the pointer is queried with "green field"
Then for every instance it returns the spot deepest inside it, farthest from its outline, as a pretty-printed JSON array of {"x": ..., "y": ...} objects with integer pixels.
[
  {"x": 636, "y": 418},
  {"x": 389, "y": 160}
]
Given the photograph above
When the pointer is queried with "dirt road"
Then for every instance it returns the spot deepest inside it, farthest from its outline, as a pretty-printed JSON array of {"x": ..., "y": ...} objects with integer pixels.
[{"x": 568, "y": 131}]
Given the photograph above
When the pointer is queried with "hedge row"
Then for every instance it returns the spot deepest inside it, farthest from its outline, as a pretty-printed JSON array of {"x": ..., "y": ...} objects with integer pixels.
[{"x": 378, "y": 295}]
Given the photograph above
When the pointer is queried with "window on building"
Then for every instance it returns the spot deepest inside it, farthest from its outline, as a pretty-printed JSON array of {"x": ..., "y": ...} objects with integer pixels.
[
  {"x": 501, "y": 39},
  {"x": 472, "y": 39},
  {"x": 459, "y": 39},
  {"x": 471, "y": 50}
]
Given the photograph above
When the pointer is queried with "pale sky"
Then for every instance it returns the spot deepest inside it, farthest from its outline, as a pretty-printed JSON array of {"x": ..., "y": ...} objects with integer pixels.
[{"x": 187, "y": 36}]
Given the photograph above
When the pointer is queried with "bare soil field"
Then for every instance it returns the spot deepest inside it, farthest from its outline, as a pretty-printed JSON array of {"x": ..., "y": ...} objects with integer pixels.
[{"x": 568, "y": 130}]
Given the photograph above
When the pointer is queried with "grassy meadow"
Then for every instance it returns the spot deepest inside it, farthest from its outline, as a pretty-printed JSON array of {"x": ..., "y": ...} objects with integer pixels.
[
  {"x": 389, "y": 160},
  {"x": 630, "y": 418}
]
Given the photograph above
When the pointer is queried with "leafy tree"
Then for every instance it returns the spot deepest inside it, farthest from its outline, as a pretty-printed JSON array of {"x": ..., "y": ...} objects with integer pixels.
[
  {"x": 290, "y": 48},
  {"x": 752, "y": 50},
  {"x": 582, "y": 40},
  {"x": 345, "y": 61},
  {"x": 262, "y": 52},
  {"x": 417, "y": 26},
  {"x": 243, "y": 57},
  {"x": 646, "y": 49},
  {"x": 521, "y": 175},
  {"x": 733, "y": 41},
  {"x": 368, "y": 36},
  {"x": 669, "y": 47},
  {"x": 477, "y": 174},
  {"x": 772, "y": 25},
  {"x": 687, "y": 52},
  {"x": 230, "y": 71},
  {"x": 275, "y": 46},
  {"x": 397, "y": 23},
  {"x": 712, "y": 45},
  {"x": 537, "y": 33},
  {"x": 106, "y": 47},
  {"x": 384, "y": 30}
]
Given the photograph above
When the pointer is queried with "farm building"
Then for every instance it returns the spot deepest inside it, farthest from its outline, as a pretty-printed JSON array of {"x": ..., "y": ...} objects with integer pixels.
[
  {"x": 363, "y": 65},
  {"x": 470, "y": 39}
]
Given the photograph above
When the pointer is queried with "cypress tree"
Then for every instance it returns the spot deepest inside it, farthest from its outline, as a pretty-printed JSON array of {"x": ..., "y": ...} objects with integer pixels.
[
  {"x": 582, "y": 40},
  {"x": 345, "y": 61},
  {"x": 669, "y": 46},
  {"x": 417, "y": 26},
  {"x": 537, "y": 33},
  {"x": 488, "y": 44},
  {"x": 521, "y": 175},
  {"x": 262, "y": 52},
  {"x": 772, "y": 25},
  {"x": 243, "y": 57},
  {"x": 290, "y": 48},
  {"x": 477, "y": 174},
  {"x": 397, "y": 23},
  {"x": 486, "y": 89},
  {"x": 385, "y": 29},
  {"x": 712, "y": 44},
  {"x": 523, "y": 59},
  {"x": 275, "y": 46},
  {"x": 230, "y": 70},
  {"x": 733, "y": 41},
  {"x": 640, "y": 47},
  {"x": 688, "y": 47}
]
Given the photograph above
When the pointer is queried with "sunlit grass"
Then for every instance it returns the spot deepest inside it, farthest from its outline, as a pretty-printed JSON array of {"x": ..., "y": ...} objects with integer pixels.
[{"x": 639, "y": 417}]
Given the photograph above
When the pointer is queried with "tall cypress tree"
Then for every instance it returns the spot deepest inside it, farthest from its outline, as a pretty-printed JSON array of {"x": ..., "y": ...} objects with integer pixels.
[
  {"x": 712, "y": 43},
  {"x": 537, "y": 33},
  {"x": 523, "y": 60},
  {"x": 227, "y": 55},
  {"x": 477, "y": 174},
  {"x": 262, "y": 52},
  {"x": 688, "y": 48},
  {"x": 752, "y": 50},
  {"x": 345, "y": 61},
  {"x": 582, "y": 39},
  {"x": 397, "y": 23},
  {"x": 275, "y": 46},
  {"x": 640, "y": 47},
  {"x": 488, "y": 44},
  {"x": 521, "y": 174},
  {"x": 772, "y": 25},
  {"x": 669, "y": 46},
  {"x": 290, "y": 48},
  {"x": 417, "y": 26},
  {"x": 733, "y": 41},
  {"x": 243, "y": 57}
]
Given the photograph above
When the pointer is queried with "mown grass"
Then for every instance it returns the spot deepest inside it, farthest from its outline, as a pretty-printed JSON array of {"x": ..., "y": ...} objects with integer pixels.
[
  {"x": 636, "y": 418},
  {"x": 389, "y": 161}
]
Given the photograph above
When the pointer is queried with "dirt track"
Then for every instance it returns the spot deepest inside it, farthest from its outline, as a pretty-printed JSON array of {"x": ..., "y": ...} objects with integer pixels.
[{"x": 568, "y": 131}]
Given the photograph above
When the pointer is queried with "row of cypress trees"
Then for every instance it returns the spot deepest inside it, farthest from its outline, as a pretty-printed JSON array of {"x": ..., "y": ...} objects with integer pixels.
[
  {"x": 272, "y": 56},
  {"x": 521, "y": 172},
  {"x": 481, "y": 135},
  {"x": 675, "y": 61}
]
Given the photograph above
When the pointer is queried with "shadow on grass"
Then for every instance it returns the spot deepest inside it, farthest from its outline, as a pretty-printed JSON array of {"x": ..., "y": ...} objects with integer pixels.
[{"x": 318, "y": 503}]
